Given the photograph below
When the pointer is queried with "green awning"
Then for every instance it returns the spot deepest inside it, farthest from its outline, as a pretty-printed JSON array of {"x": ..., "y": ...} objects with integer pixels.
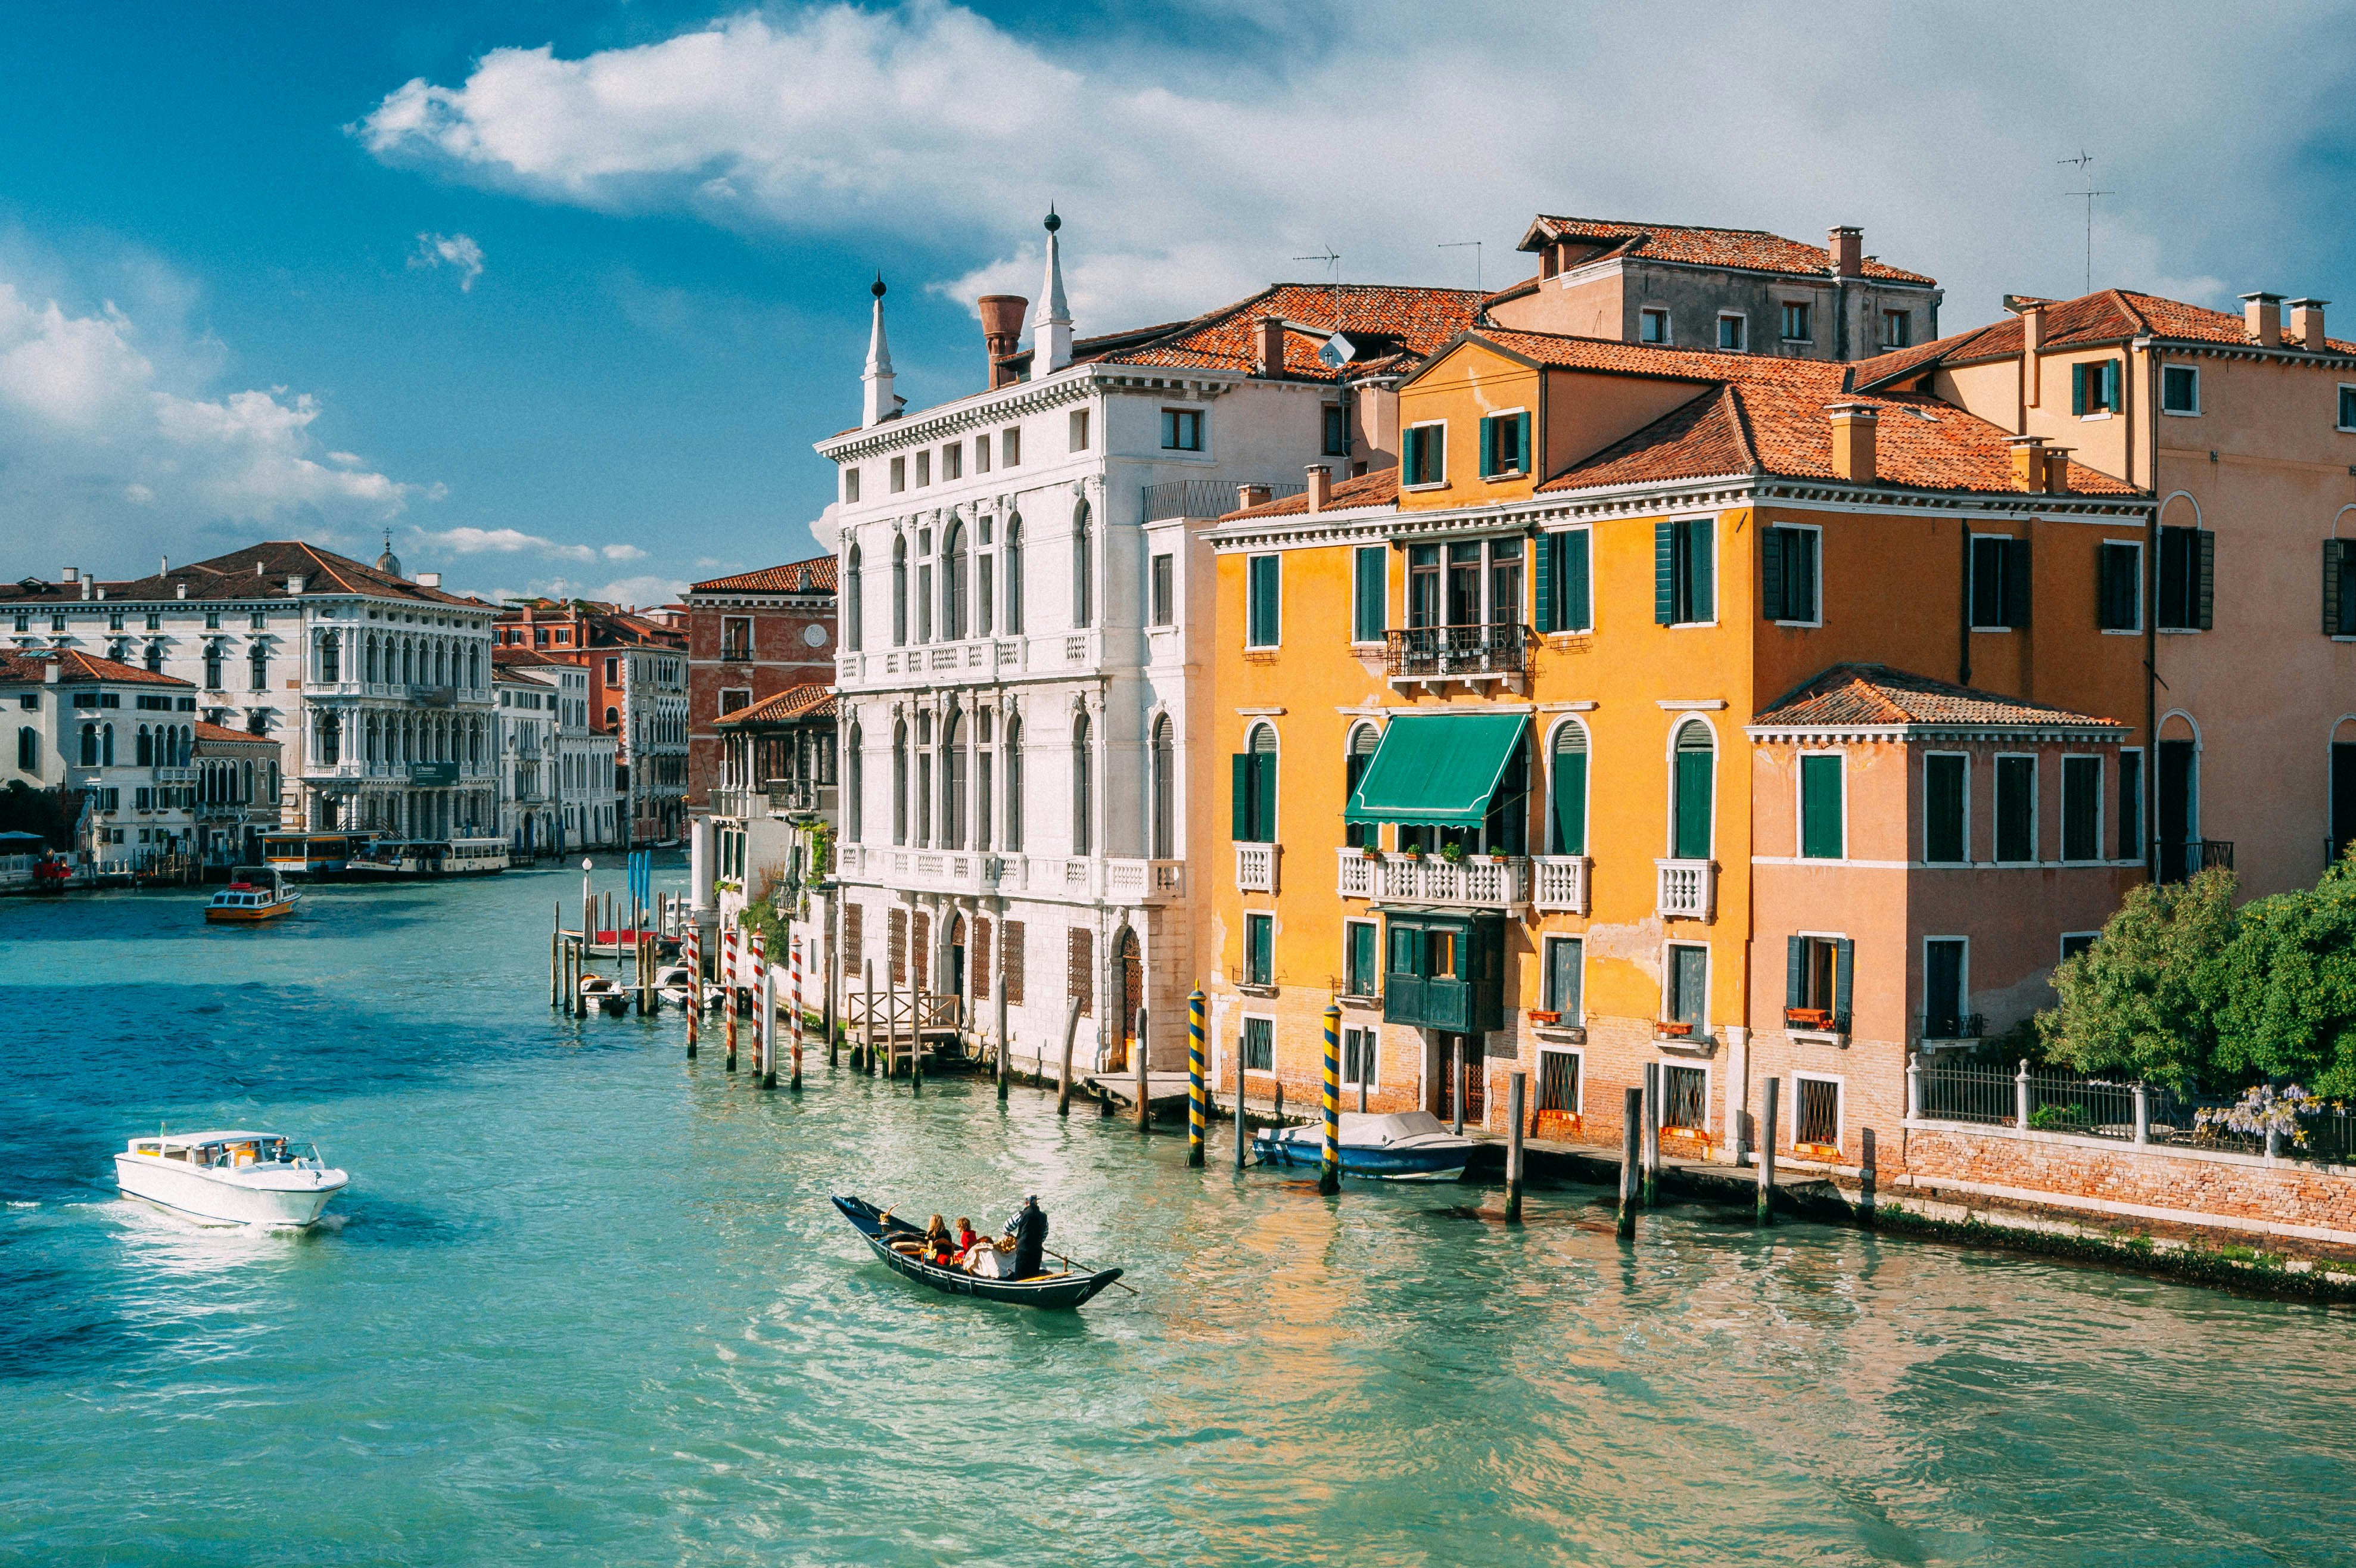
[{"x": 1437, "y": 769}]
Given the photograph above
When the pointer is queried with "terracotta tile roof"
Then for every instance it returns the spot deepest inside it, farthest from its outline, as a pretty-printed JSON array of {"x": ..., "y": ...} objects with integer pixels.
[
  {"x": 22, "y": 665},
  {"x": 1653, "y": 360},
  {"x": 219, "y": 737},
  {"x": 1384, "y": 321},
  {"x": 1878, "y": 696},
  {"x": 805, "y": 701},
  {"x": 1375, "y": 490},
  {"x": 815, "y": 576},
  {"x": 234, "y": 576},
  {"x": 1753, "y": 249},
  {"x": 509, "y": 655}
]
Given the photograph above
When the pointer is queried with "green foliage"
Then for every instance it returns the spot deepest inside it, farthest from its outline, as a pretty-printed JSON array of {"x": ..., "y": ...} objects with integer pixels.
[
  {"x": 51, "y": 813},
  {"x": 2143, "y": 1000},
  {"x": 2288, "y": 1007},
  {"x": 2057, "y": 1118}
]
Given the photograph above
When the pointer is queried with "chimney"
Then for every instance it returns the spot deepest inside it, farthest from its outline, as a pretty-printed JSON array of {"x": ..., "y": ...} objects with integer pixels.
[
  {"x": 89, "y": 585},
  {"x": 53, "y": 672},
  {"x": 1847, "y": 247},
  {"x": 2307, "y": 324},
  {"x": 429, "y": 579},
  {"x": 2262, "y": 313},
  {"x": 1321, "y": 486},
  {"x": 73, "y": 573},
  {"x": 183, "y": 590},
  {"x": 166, "y": 567},
  {"x": 1001, "y": 333},
  {"x": 1853, "y": 441},
  {"x": 2057, "y": 469},
  {"x": 1250, "y": 495},
  {"x": 1270, "y": 351},
  {"x": 295, "y": 583},
  {"x": 2031, "y": 470},
  {"x": 2032, "y": 345}
]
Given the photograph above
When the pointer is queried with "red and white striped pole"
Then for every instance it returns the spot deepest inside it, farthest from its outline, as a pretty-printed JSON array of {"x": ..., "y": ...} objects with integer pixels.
[
  {"x": 764, "y": 988},
  {"x": 694, "y": 957},
  {"x": 796, "y": 943},
  {"x": 728, "y": 987}
]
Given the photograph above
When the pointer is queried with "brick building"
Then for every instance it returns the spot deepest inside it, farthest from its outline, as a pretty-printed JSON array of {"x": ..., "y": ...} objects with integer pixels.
[
  {"x": 637, "y": 693},
  {"x": 750, "y": 637}
]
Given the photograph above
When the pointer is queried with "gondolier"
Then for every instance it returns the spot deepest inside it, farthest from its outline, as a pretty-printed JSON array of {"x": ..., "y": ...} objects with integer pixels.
[{"x": 1029, "y": 1229}]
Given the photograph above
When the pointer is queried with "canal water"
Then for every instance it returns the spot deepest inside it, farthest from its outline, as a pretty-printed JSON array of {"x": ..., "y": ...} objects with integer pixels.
[{"x": 586, "y": 1303}]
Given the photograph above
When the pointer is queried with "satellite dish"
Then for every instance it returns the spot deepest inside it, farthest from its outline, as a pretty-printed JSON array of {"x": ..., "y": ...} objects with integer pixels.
[{"x": 1337, "y": 352}]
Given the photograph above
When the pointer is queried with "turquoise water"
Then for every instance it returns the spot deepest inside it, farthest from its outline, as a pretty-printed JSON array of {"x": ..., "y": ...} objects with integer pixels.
[{"x": 586, "y": 1304}]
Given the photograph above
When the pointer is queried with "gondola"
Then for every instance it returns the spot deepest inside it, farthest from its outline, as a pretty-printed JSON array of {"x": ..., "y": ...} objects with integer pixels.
[{"x": 881, "y": 1228}]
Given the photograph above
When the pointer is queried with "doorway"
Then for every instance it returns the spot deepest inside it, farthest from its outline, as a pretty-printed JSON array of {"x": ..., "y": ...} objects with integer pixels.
[
  {"x": 1476, "y": 1076},
  {"x": 1130, "y": 964},
  {"x": 956, "y": 956},
  {"x": 2179, "y": 810},
  {"x": 2343, "y": 796}
]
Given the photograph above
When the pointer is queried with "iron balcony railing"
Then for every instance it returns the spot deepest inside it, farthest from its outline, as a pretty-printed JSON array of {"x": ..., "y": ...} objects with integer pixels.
[
  {"x": 1954, "y": 1025},
  {"x": 1205, "y": 498},
  {"x": 1457, "y": 653},
  {"x": 736, "y": 652}
]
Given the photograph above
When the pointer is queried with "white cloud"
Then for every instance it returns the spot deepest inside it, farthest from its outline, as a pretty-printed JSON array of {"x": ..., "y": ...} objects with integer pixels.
[
  {"x": 453, "y": 251},
  {"x": 1192, "y": 172},
  {"x": 113, "y": 443},
  {"x": 643, "y": 592},
  {"x": 468, "y": 540}
]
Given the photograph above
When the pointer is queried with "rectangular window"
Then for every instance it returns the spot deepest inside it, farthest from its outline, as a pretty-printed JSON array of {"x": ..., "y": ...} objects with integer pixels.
[
  {"x": 1945, "y": 992},
  {"x": 1684, "y": 1099},
  {"x": 1796, "y": 328},
  {"x": 1945, "y": 838},
  {"x": 1260, "y": 950},
  {"x": 1505, "y": 582},
  {"x": 1565, "y": 599},
  {"x": 953, "y": 460},
  {"x": 850, "y": 487},
  {"x": 2096, "y": 388},
  {"x": 2119, "y": 586},
  {"x": 1259, "y": 1045},
  {"x": 1423, "y": 456},
  {"x": 2016, "y": 809},
  {"x": 1733, "y": 332},
  {"x": 1261, "y": 622},
  {"x": 1821, "y": 808},
  {"x": 2131, "y": 805},
  {"x": 1558, "y": 1073},
  {"x": 2348, "y": 408},
  {"x": 1816, "y": 1124},
  {"x": 2340, "y": 588},
  {"x": 1684, "y": 573},
  {"x": 2000, "y": 588},
  {"x": 1080, "y": 430},
  {"x": 2081, "y": 808},
  {"x": 1688, "y": 986},
  {"x": 1423, "y": 579},
  {"x": 1897, "y": 328},
  {"x": 1652, "y": 325},
  {"x": 1566, "y": 959},
  {"x": 1504, "y": 445},
  {"x": 1370, "y": 606},
  {"x": 982, "y": 454},
  {"x": 1337, "y": 431},
  {"x": 1182, "y": 430},
  {"x": 899, "y": 475},
  {"x": 2075, "y": 942},
  {"x": 1358, "y": 1051},
  {"x": 1358, "y": 958},
  {"x": 1818, "y": 977},
  {"x": 1009, "y": 446},
  {"x": 2179, "y": 389},
  {"x": 1165, "y": 596},
  {"x": 924, "y": 469},
  {"x": 736, "y": 636},
  {"x": 2187, "y": 578},
  {"x": 1787, "y": 577}
]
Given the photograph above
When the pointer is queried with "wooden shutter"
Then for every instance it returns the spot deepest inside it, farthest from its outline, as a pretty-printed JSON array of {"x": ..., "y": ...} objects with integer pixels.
[
  {"x": 899, "y": 944},
  {"x": 2077, "y": 388},
  {"x": 2113, "y": 386},
  {"x": 1702, "y": 561},
  {"x": 2016, "y": 584},
  {"x": 1373, "y": 608},
  {"x": 1080, "y": 961},
  {"x": 1795, "y": 972},
  {"x": 1820, "y": 808},
  {"x": 1241, "y": 825},
  {"x": 1570, "y": 802},
  {"x": 1488, "y": 446},
  {"x": 1770, "y": 574},
  {"x": 1577, "y": 613},
  {"x": 2208, "y": 605},
  {"x": 1264, "y": 796},
  {"x": 920, "y": 939},
  {"x": 1522, "y": 444},
  {"x": 1693, "y": 786},
  {"x": 1844, "y": 975},
  {"x": 1665, "y": 573},
  {"x": 1013, "y": 968},
  {"x": 854, "y": 939},
  {"x": 2331, "y": 587},
  {"x": 984, "y": 957},
  {"x": 1547, "y": 577}
]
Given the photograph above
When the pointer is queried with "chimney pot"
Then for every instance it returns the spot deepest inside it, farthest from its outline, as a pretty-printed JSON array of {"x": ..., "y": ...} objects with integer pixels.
[
  {"x": 2031, "y": 470},
  {"x": 2032, "y": 345},
  {"x": 1001, "y": 332},
  {"x": 1250, "y": 495},
  {"x": 1271, "y": 346},
  {"x": 2262, "y": 313},
  {"x": 2307, "y": 323},
  {"x": 429, "y": 579},
  {"x": 1854, "y": 455},
  {"x": 2057, "y": 469},
  {"x": 1321, "y": 486},
  {"x": 73, "y": 573},
  {"x": 1846, "y": 244},
  {"x": 183, "y": 592}
]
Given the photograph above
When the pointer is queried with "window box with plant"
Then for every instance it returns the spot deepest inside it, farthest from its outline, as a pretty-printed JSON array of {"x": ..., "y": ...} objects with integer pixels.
[{"x": 1673, "y": 1028}]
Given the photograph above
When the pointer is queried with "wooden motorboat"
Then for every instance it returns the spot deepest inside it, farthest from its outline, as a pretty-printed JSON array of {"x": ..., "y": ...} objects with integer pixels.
[
  {"x": 1401, "y": 1146},
  {"x": 603, "y": 991},
  {"x": 254, "y": 894},
  {"x": 1068, "y": 1289},
  {"x": 229, "y": 1177}
]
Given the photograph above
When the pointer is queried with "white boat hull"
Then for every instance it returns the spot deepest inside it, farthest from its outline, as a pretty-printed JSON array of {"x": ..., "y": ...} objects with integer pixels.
[{"x": 281, "y": 1200}]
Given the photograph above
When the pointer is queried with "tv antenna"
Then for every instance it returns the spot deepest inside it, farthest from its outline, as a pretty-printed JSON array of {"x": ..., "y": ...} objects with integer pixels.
[
  {"x": 1475, "y": 246},
  {"x": 1338, "y": 351},
  {"x": 2085, "y": 163}
]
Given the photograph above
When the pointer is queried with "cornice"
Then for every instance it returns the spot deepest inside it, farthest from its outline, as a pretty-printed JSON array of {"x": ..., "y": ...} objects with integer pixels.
[
  {"x": 992, "y": 409},
  {"x": 2104, "y": 731}
]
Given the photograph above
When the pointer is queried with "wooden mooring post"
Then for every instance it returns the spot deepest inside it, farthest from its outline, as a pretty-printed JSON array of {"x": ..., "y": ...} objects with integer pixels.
[
  {"x": 1631, "y": 1133},
  {"x": 555, "y": 962},
  {"x": 794, "y": 944},
  {"x": 728, "y": 989},
  {"x": 998, "y": 1002},
  {"x": 768, "y": 1005},
  {"x": 1651, "y": 1147},
  {"x": 1243, "y": 1121},
  {"x": 1144, "y": 1092},
  {"x": 1766, "y": 1155},
  {"x": 690, "y": 948},
  {"x": 862, "y": 1056},
  {"x": 1515, "y": 1086},
  {"x": 1063, "y": 1074},
  {"x": 916, "y": 1038}
]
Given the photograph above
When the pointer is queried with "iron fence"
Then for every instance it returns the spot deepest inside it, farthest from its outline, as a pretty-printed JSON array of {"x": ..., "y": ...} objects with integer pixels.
[
  {"x": 2100, "y": 1108},
  {"x": 1959, "y": 1093}
]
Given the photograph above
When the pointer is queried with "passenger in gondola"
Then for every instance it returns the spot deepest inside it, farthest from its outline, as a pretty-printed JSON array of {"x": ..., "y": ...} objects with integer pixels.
[
  {"x": 936, "y": 1247},
  {"x": 1028, "y": 1229},
  {"x": 965, "y": 1238}
]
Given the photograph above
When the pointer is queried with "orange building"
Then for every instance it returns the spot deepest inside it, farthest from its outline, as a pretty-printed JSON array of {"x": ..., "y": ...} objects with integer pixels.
[{"x": 1606, "y": 730}]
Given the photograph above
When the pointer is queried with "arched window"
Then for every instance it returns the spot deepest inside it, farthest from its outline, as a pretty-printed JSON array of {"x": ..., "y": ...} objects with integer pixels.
[
  {"x": 953, "y": 582},
  {"x": 475, "y": 664},
  {"x": 368, "y": 659},
  {"x": 212, "y": 666},
  {"x": 1014, "y": 592},
  {"x": 1084, "y": 576},
  {"x": 1083, "y": 790},
  {"x": 900, "y": 591},
  {"x": 90, "y": 746},
  {"x": 1254, "y": 805},
  {"x": 613, "y": 719},
  {"x": 982, "y": 802},
  {"x": 900, "y": 781},
  {"x": 923, "y": 780},
  {"x": 259, "y": 661},
  {"x": 372, "y": 739},
  {"x": 1696, "y": 765},
  {"x": 985, "y": 583},
  {"x": 1165, "y": 792},
  {"x": 953, "y": 780},
  {"x": 1363, "y": 738},
  {"x": 330, "y": 659},
  {"x": 855, "y": 801},
  {"x": 143, "y": 749},
  {"x": 853, "y": 611},
  {"x": 1014, "y": 786},
  {"x": 407, "y": 662},
  {"x": 331, "y": 739},
  {"x": 155, "y": 660},
  {"x": 106, "y": 745},
  {"x": 1567, "y": 790}
]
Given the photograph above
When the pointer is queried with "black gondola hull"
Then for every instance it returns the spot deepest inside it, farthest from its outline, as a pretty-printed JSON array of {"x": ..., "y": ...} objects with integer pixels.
[{"x": 1052, "y": 1290}]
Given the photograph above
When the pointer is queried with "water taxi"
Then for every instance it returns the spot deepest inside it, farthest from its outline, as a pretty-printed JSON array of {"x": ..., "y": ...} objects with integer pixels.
[
  {"x": 1400, "y": 1145},
  {"x": 411, "y": 859},
  {"x": 254, "y": 894},
  {"x": 229, "y": 1177}
]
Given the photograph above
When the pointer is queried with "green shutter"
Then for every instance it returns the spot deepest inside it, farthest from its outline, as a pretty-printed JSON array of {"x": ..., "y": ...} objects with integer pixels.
[
  {"x": 1264, "y": 796},
  {"x": 1693, "y": 784},
  {"x": 2016, "y": 584},
  {"x": 1522, "y": 444},
  {"x": 1702, "y": 561},
  {"x": 1665, "y": 573},
  {"x": 2331, "y": 587},
  {"x": 1577, "y": 613},
  {"x": 1570, "y": 802},
  {"x": 2208, "y": 619},
  {"x": 1373, "y": 608},
  {"x": 2113, "y": 386},
  {"x": 1795, "y": 972},
  {"x": 1820, "y": 808},
  {"x": 1844, "y": 974},
  {"x": 2077, "y": 388},
  {"x": 1770, "y": 574},
  {"x": 1240, "y": 812},
  {"x": 1488, "y": 465},
  {"x": 1547, "y": 543},
  {"x": 1263, "y": 958}
]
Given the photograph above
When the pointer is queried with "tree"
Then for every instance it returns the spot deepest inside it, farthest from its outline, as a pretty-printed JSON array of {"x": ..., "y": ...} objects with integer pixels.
[
  {"x": 2289, "y": 999},
  {"x": 2143, "y": 1001}
]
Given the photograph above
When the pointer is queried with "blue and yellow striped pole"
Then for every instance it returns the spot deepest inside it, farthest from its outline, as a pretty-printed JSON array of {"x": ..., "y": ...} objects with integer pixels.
[
  {"x": 1329, "y": 1173},
  {"x": 1195, "y": 1110}
]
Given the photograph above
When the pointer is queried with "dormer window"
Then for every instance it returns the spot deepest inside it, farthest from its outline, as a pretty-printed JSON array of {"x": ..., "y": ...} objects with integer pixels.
[
  {"x": 1653, "y": 324},
  {"x": 1504, "y": 445}
]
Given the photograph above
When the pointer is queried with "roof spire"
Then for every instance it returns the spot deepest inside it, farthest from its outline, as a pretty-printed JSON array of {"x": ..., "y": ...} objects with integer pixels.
[
  {"x": 1051, "y": 336},
  {"x": 876, "y": 379}
]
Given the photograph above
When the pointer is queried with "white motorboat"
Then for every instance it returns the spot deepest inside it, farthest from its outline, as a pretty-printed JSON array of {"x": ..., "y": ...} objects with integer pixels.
[
  {"x": 675, "y": 984},
  {"x": 604, "y": 993},
  {"x": 1401, "y": 1146},
  {"x": 229, "y": 1177}
]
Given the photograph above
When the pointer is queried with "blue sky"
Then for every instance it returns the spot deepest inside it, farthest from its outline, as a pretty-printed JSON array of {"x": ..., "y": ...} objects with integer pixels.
[{"x": 569, "y": 320}]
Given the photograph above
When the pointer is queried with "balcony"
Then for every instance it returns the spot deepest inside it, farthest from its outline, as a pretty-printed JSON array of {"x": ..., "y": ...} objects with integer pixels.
[
  {"x": 1686, "y": 890},
  {"x": 728, "y": 804},
  {"x": 1436, "y": 655},
  {"x": 1475, "y": 882},
  {"x": 1561, "y": 882},
  {"x": 1954, "y": 1028},
  {"x": 1145, "y": 881},
  {"x": 736, "y": 652},
  {"x": 434, "y": 697},
  {"x": 176, "y": 776},
  {"x": 1256, "y": 867},
  {"x": 801, "y": 796}
]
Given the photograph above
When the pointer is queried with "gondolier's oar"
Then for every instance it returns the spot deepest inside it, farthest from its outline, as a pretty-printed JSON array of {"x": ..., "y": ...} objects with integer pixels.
[{"x": 1090, "y": 1268}]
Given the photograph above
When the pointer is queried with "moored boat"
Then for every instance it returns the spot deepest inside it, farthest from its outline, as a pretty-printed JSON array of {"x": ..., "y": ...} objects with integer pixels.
[
  {"x": 309, "y": 854},
  {"x": 896, "y": 1242},
  {"x": 229, "y": 1177},
  {"x": 1397, "y": 1145},
  {"x": 254, "y": 894},
  {"x": 602, "y": 992},
  {"x": 675, "y": 984}
]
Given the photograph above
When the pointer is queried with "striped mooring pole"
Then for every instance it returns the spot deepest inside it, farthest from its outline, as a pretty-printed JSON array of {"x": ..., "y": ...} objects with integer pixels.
[
  {"x": 692, "y": 951},
  {"x": 766, "y": 983},
  {"x": 1194, "y": 1108},
  {"x": 795, "y": 1002},
  {"x": 728, "y": 945},
  {"x": 1329, "y": 1170}
]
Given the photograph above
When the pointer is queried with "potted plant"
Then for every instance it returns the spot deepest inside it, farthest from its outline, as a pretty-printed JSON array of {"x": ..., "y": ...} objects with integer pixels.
[
  {"x": 1453, "y": 853},
  {"x": 1412, "y": 852},
  {"x": 1673, "y": 1028},
  {"x": 1370, "y": 852},
  {"x": 1806, "y": 1017},
  {"x": 1540, "y": 1016}
]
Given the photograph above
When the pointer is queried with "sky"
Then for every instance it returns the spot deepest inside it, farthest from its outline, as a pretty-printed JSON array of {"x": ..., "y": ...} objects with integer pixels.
[{"x": 560, "y": 294}]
